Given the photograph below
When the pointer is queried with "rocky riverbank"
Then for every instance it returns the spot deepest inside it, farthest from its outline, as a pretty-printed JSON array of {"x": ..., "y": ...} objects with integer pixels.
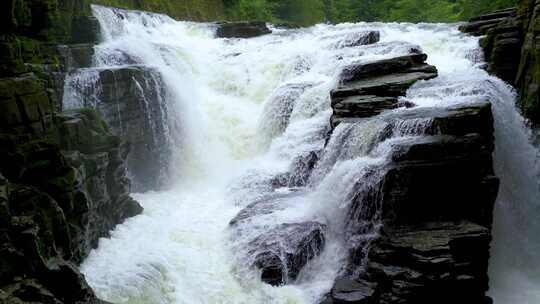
[{"x": 63, "y": 174}]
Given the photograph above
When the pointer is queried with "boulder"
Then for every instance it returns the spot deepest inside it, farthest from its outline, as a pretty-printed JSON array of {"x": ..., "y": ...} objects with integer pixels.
[{"x": 242, "y": 29}]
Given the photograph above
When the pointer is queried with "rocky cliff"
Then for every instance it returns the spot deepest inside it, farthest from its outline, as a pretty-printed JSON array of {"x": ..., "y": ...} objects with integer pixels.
[
  {"x": 63, "y": 174},
  {"x": 433, "y": 239},
  {"x": 511, "y": 47}
]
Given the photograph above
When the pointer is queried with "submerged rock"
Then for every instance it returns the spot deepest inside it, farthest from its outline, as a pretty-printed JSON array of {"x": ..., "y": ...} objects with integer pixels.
[
  {"x": 283, "y": 251},
  {"x": 358, "y": 39},
  {"x": 242, "y": 29},
  {"x": 278, "y": 251}
]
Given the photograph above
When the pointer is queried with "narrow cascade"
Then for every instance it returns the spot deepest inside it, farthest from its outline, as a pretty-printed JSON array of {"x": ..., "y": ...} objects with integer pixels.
[{"x": 245, "y": 123}]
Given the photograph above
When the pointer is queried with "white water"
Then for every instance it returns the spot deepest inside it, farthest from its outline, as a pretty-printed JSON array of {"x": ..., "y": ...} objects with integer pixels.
[{"x": 180, "y": 249}]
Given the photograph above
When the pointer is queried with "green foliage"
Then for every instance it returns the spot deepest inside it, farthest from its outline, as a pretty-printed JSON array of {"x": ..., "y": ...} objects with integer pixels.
[{"x": 306, "y": 12}]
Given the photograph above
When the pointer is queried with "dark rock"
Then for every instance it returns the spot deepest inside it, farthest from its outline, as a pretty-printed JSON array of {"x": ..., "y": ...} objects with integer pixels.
[
  {"x": 428, "y": 263},
  {"x": 283, "y": 251},
  {"x": 511, "y": 50},
  {"x": 76, "y": 56},
  {"x": 267, "y": 205},
  {"x": 358, "y": 39},
  {"x": 528, "y": 75},
  {"x": 299, "y": 171},
  {"x": 85, "y": 29},
  {"x": 133, "y": 103},
  {"x": 368, "y": 89},
  {"x": 25, "y": 106},
  {"x": 242, "y": 29},
  {"x": 385, "y": 78},
  {"x": 382, "y": 67},
  {"x": 353, "y": 291},
  {"x": 363, "y": 105}
]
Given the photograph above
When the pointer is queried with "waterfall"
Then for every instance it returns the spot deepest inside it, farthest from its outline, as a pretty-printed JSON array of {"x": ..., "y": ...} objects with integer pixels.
[{"x": 245, "y": 120}]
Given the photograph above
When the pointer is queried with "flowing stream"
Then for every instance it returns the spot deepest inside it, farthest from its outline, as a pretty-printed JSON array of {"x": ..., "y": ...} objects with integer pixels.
[{"x": 247, "y": 110}]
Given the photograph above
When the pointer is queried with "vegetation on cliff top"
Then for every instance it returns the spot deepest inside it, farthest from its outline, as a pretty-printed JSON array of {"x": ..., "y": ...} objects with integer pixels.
[{"x": 308, "y": 12}]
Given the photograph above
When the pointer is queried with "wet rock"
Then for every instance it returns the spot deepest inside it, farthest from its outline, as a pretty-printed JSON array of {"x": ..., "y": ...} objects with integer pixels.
[
  {"x": 133, "y": 103},
  {"x": 283, "y": 251},
  {"x": 528, "y": 76},
  {"x": 270, "y": 203},
  {"x": 279, "y": 107},
  {"x": 358, "y": 39},
  {"x": 427, "y": 263},
  {"x": 352, "y": 291},
  {"x": 85, "y": 29},
  {"x": 299, "y": 171},
  {"x": 482, "y": 24},
  {"x": 432, "y": 199},
  {"x": 242, "y": 29},
  {"x": 368, "y": 89},
  {"x": 363, "y": 105},
  {"x": 25, "y": 106},
  {"x": 76, "y": 56},
  {"x": 511, "y": 51}
]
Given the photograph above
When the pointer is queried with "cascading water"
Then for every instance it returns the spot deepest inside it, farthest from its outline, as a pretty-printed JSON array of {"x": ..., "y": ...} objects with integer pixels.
[{"x": 252, "y": 110}]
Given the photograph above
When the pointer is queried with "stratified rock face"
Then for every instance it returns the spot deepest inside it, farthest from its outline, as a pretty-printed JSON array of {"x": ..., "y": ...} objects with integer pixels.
[
  {"x": 481, "y": 25},
  {"x": 367, "y": 89},
  {"x": 133, "y": 103},
  {"x": 25, "y": 105},
  {"x": 502, "y": 44},
  {"x": 62, "y": 176},
  {"x": 58, "y": 203},
  {"x": 433, "y": 200},
  {"x": 511, "y": 51},
  {"x": 242, "y": 29}
]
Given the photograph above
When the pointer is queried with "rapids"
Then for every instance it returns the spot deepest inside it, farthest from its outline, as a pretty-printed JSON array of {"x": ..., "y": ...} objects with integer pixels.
[{"x": 241, "y": 122}]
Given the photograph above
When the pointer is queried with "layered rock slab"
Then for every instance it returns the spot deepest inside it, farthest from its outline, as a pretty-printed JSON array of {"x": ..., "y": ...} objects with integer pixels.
[{"x": 367, "y": 89}]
